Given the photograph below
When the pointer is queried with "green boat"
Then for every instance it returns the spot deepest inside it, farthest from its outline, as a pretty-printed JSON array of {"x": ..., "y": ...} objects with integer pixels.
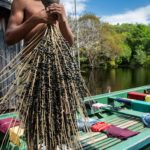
[{"x": 119, "y": 113}]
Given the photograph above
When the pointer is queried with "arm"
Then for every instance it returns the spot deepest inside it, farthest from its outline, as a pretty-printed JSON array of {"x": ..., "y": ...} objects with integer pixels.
[
  {"x": 66, "y": 31},
  {"x": 17, "y": 29},
  {"x": 63, "y": 23}
]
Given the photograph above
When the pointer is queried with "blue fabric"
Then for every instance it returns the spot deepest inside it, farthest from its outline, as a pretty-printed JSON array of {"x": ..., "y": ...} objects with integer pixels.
[
  {"x": 123, "y": 100},
  {"x": 87, "y": 123},
  {"x": 146, "y": 119}
]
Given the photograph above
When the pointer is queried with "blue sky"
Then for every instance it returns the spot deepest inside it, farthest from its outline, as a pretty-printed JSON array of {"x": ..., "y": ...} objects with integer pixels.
[
  {"x": 114, "y": 11},
  {"x": 110, "y": 7}
]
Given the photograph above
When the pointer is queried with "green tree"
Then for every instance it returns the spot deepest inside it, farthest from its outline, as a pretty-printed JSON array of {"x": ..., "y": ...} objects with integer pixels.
[{"x": 137, "y": 39}]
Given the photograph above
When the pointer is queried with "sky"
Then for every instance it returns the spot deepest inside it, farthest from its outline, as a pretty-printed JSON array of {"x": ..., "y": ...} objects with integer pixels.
[{"x": 113, "y": 11}]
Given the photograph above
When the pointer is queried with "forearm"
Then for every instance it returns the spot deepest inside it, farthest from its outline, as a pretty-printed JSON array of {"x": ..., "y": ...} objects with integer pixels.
[
  {"x": 66, "y": 32},
  {"x": 16, "y": 33}
]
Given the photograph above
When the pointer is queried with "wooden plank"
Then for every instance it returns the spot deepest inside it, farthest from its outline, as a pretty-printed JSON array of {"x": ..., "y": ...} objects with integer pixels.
[
  {"x": 115, "y": 121},
  {"x": 103, "y": 141},
  {"x": 103, "y": 138},
  {"x": 98, "y": 98},
  {"x": 134, "y": 143},
  {"x": 128, "y": 124},
  {"x": 109, "y": 142},
  {"x": 88, "y": 135},
  {"x": 94, "y": 140}
]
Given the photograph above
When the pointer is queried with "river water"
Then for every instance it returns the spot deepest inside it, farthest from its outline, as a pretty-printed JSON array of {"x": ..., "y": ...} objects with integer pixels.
[{"x": 102, "y": 81}]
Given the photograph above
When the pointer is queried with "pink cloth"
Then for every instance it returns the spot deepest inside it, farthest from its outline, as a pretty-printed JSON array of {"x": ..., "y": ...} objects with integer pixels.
[
  {"x": 7, "y": 123},
  {"x": 113, "y": 131}
]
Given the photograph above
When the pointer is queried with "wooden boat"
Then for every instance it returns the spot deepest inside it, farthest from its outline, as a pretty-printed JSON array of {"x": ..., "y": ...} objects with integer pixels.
[
  {"x": 127, "y": 116},
  {"x": 120, "y": 114}
]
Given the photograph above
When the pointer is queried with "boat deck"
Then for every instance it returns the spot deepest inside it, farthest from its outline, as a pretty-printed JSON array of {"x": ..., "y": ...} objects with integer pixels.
[
  {"x": 124, "y": 117},
  {"x": 100, "y": 141}
]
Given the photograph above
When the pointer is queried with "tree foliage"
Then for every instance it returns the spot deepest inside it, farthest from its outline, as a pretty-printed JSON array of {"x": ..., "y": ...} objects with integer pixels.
[{"x": 101, "y": 43}]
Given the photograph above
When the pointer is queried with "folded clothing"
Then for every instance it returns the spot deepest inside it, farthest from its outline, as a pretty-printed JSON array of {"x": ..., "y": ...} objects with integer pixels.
[
  {"x": 7, "y": 123},
  {"x": 14, "y": 135},
  {"x": 113, "y": 131},
  {"x": 146, "y": 119},
  {"x": 98, "y": 106},
  {"x": 99, "y": 126}
]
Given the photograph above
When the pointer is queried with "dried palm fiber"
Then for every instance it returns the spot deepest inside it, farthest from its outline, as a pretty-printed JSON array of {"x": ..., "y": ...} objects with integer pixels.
[{"x": 51, "y": 92}]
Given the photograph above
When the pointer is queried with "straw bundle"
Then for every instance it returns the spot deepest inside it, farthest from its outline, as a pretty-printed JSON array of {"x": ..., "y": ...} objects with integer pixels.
[{"x": 50, "y": 93}]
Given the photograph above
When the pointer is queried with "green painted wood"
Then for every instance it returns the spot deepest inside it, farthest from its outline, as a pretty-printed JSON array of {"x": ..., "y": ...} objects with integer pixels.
[
  {"x": 128, "y": 112},
  {"x": 109, "y": 142},
  {"x": 102, "y": 140},
  {"x": 137, "y": 105},
  {"x": 121, "y": 93},
  {"x": 132, "y": 113},
  {"x": 9, "y": 115},
  {"x": 105, "y": 99},
  {"x": 135, "y": 142},
  {"x": 124, "y": 118},
  {"x": 115, "y": 121}
]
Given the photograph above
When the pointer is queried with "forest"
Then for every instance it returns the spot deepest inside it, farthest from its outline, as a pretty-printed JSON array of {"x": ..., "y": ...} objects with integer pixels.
[{"x": 101, "y": 44}]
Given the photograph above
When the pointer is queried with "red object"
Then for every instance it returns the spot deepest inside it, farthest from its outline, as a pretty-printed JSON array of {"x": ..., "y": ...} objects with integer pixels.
[
  {"x": 99, "y": 126},
  {"x": 7, "y": 123},
  {"x": 136, "y": 95},
  {"x": 113, "y": 131}
]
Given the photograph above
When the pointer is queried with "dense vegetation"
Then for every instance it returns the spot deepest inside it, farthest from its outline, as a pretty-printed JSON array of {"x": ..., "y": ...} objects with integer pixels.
[{"x": 105, "y": 45}]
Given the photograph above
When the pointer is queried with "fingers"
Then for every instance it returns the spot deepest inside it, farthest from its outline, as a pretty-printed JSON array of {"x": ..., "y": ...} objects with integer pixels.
[
  {"x": 55, "y": 8},
  {"x": 56, "y": 5},
  {"x": 58, "y": 10}
]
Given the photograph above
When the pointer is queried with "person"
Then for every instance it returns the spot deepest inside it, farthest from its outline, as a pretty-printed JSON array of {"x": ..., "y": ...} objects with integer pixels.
[
  {"x": 27, "y": 18},
  {"x": 30, "y": 16}
]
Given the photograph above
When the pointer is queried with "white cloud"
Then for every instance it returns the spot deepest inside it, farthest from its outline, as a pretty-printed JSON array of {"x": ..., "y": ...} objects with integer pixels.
[
  {"x": 139, "y": 15},
  {"x": 70, "y": 6}
]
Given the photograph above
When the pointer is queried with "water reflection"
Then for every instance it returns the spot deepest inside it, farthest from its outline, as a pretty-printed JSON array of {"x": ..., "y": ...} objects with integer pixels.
[{"x": 102, "y": 81}]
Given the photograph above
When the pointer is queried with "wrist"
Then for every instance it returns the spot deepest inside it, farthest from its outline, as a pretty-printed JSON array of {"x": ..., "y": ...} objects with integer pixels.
[{"x": 63, "y": 20}]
